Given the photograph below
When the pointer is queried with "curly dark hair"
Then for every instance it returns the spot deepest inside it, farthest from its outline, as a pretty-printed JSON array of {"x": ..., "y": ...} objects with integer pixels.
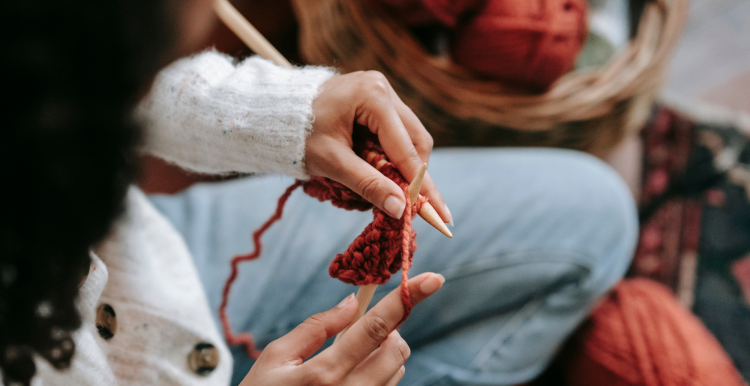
[{"x": 73, "y": 71}]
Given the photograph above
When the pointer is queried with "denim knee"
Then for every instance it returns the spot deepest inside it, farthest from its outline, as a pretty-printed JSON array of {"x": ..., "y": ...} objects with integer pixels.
[
  {"x": 591, "y": 222},
  {"x": 604, "y": 220}
]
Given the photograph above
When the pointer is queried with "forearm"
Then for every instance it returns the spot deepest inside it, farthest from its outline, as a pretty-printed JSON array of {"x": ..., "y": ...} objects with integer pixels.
[{"x": 209, "y": 115}]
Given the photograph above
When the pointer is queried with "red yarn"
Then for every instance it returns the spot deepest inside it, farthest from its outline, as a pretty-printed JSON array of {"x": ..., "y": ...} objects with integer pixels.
[
  {"x": 246, "y": 339},
  {"x": 379, "y": 250},
  {"x": 642, "y": 336},
  {"x": 525, "y": 43},
  {"x": 385, "y": 246}
]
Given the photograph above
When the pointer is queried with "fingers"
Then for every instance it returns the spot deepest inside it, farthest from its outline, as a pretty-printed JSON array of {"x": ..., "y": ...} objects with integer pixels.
[
  {"x": 308, "y": 337},
  {"x": 378, "y": 112},
  {"x": 420, "y": 137},
  {"x": 368, "y": 99},
  {"x": 370, "y": 331},
  {"x": 384, "y": 364},
  {"x": 381, "y": 117},
  {"x": 397, "y": 377},
  {"x": 405, "y": 140},
  {"x": 423, "y": 143},
  {"x": 368, "y": 182}
]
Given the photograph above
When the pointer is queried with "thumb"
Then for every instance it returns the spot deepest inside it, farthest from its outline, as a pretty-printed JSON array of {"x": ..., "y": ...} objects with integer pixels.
[
  {"x": 302, "y": 342},
  {"x": 372, "y": 185}
]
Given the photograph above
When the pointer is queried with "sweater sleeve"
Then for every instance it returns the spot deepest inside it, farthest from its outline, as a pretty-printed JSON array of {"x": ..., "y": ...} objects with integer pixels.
[{"x": 209, "y": 115}]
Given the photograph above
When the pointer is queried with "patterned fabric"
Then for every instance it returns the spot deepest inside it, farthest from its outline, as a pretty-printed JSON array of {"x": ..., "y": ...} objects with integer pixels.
[
  {"x": 695, "y": 229},
  {"x": 695, "y": 222},
  {"x": 670, "y": 219}
]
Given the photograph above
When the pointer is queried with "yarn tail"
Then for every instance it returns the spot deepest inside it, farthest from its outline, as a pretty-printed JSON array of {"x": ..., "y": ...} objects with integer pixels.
[
  {"x": 406, "y": 257},
  {"x": 246, "y": 339}
]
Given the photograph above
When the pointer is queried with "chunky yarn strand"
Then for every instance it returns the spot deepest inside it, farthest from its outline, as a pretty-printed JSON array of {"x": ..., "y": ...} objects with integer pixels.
[
  {"x": 246, "y": 339},
  {"x": 384, "y": 246}
]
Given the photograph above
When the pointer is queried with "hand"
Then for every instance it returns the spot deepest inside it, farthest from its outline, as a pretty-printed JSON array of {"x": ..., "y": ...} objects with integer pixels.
[
  {"x": 355, "y": 359},
  {"x": 368, "y": 99}
]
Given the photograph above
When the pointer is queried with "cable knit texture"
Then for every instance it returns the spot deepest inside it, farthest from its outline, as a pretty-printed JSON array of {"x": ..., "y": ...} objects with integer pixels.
[{"x": 208, "y": 115}]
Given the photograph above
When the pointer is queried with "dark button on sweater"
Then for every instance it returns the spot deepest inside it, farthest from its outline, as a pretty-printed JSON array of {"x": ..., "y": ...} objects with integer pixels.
[
  {"x": 106, "y": 321},
  {"x": 204, "y": 358}
]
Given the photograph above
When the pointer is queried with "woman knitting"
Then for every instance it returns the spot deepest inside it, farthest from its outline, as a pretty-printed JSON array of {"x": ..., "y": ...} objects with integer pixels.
[{"x": 98, "y": 287}]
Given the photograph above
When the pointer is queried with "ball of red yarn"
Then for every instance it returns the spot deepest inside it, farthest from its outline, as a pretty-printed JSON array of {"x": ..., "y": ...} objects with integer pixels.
[
  {"x": 642, "y": 336},
  {"x": 524, "y": 43}
]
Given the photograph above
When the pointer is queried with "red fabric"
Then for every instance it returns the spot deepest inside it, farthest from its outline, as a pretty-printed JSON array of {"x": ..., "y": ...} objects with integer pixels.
[
  {"x": 525, "y": 43},
  {"x": 385, "y": 246},
  {"x": 377, "y": 252},
  {"x": 642, "y": 336}
]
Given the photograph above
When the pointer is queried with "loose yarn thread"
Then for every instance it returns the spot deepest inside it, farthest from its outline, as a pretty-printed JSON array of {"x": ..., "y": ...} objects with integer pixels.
[{"x": 384, "y": 246}]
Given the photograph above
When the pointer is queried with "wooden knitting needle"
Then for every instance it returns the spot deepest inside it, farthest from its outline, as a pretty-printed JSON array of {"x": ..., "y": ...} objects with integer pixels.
[
  {"x": 365, "y": 292},
  {"x": 427, "y": 212},
  {"x": 416, "y": 184},
  {"x": 364, "y": 296},
  {"x": 234, "y": 20}
]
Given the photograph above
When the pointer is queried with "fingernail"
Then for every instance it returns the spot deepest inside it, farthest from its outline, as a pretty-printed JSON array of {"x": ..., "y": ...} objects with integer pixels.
[
  {"x": 432, "y": 284},
  {"x": 450, "y": 216},
  {"x": 394, "y": 206},
  {"x": 346, "y": 301}
]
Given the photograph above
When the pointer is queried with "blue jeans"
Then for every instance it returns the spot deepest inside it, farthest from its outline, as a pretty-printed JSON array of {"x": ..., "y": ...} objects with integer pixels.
[{"x": 540, "y": 235}]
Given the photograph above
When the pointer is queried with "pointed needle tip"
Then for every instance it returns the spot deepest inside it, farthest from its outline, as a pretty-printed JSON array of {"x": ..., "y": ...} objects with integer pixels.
[{"x": 429, "y": 214}]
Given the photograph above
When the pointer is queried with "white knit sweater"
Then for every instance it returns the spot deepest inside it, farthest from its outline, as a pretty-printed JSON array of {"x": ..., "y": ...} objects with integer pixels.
[{"x": 208, "y": 115}]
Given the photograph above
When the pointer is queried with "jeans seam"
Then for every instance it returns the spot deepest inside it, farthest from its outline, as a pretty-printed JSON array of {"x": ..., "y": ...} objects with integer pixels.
[
  {"x": 498, "y": 261},
  {"x": 495, "y": 342},
  {"x": 517, "y": 258}
]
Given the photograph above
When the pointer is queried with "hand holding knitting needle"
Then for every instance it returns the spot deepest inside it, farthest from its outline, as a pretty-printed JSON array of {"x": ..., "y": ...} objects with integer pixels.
[
  {"x": 365, "y": 292},
  {"x": 365, "y": 98},
  {"x": 372, "y": 353}
]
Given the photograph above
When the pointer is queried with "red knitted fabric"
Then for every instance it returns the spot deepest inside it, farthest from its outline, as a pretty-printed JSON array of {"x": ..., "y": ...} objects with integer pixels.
[
  {"x": 377, "y": 252},
  {"x": 526, "y": 43},
  {"x": 385, "y": 246},
  {"x": 642, "y": 336}
]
